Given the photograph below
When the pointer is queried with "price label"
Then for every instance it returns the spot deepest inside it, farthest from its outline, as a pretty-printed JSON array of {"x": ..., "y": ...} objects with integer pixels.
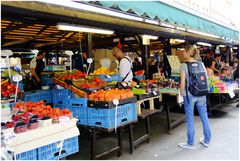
[
  {"x": 108, "y": 76},
  {"x": 180, "y": 98},
  {"x": 231, "y": 93},
  {"x": 9, "y": 137},
  {"x": 64, "y": 120},
  {"x": 17, "y": 78},
  {"x": 154, "y": 93},
  {"x": 124, "y": 84}
]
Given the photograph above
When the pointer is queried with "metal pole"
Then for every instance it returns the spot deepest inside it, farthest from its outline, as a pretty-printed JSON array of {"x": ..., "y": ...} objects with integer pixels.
[{"x": 89, "y": 50}]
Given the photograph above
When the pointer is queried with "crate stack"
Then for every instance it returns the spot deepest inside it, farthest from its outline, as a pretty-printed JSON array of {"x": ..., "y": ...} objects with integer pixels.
[
  {"x": 64, "y": 98},
  {"x": 51, "y": 151}
]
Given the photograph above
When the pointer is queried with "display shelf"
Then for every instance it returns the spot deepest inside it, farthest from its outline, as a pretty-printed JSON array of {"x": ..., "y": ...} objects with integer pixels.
[
  {"x": 110, "y": 104},
  {"x": 42, "y": 136}
]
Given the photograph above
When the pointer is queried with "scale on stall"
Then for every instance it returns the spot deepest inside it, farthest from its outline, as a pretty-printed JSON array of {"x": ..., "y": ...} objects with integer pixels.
[{"x": 7, "y": 54}]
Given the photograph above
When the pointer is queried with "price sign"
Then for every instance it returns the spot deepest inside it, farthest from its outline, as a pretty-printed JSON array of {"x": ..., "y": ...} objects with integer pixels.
[
  {"x": 108, "y": 76},
  {"x": 17, "y": 78},
  {"x": 64, "y": 120},
  {"x": 154, "y": 93},
  {"x": 231, "y": 93},
  {"x": 9, "y": 137}
]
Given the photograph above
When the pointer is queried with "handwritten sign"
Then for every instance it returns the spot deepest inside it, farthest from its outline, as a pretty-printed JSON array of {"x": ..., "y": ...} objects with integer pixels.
[
  {"x": 17, "y": 78},
  {"x": 9, "y": 137},
  {"x": 64, "y": 120},
  {"x": 231, "y": 93}
]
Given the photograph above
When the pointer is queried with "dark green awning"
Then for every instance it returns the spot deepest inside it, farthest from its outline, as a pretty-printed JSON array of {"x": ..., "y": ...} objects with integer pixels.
[{"x": 156, "y": 9}]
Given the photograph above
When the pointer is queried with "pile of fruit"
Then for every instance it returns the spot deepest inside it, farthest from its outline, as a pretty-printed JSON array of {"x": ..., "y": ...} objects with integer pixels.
[
  {"x": 110, "y": 95},
  {"x": 138, "y": 91},
  {"x": 5, "y": 73},
  {"x": 8, "y": 89},
  {"x": 92, "y": 83},
  {"x": 40, "y": 109},
  {"x": 75, "y": 74},
  {"x": 28, "y": 115},
  {"x": 103, "y": 70}
]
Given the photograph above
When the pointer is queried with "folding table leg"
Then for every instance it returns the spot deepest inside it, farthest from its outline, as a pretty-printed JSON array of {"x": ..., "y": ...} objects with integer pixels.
[
  {"x": 130, "y": 129},
  {"x": 93, "y": 144},
  {"x": 168, "y": 119},
  {"x": 147, "y": 128},
  {"x": 120, "y": 141}
]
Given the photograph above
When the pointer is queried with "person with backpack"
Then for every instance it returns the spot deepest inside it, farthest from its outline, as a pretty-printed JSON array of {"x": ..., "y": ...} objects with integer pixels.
[
  {"x": 194, "y": 88},
  {"x": 125, "y": 65}
]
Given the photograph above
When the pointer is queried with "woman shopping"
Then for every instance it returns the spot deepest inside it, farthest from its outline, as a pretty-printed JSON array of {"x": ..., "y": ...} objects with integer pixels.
[{"x": 194, "y": 88}]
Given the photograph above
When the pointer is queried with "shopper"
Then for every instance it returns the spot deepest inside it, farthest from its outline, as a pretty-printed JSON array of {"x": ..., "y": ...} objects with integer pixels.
[
  {"x": 190, "y": 99},
  {"x": 137, "y": 65},
  {"x": 81, "y": 62},
  {"x": 152, "y": 68},
  {"x": 36, "y": 67},
  {"x": 216, "y": 64},
  {"x": 209, "y": 58},
  {"x": 125, "y": 66}
]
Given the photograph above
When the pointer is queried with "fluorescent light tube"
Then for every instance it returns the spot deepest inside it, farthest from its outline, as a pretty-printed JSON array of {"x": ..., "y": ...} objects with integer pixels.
[
  {"x": 222, "y": 46},
  {"x": 179, "y": 40},
  {"x": 203, "y": 33},
  {"x": 204, "y": 44},
  {"x": 181, "y": 28},
  {"x": 152, "y": 22},
  {"x": 150, "y": 37},
  {"x": 71, "y": 27},
  {"x": 91, "y": 8},
  {"x": 235, "y": 48},
  {"x": 167, "y": 25}
]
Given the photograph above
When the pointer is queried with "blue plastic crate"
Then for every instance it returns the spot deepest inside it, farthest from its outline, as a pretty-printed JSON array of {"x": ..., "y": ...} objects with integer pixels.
[
  {"x": 45, "y": 95},
  {"x": 29, "y": 155},
  {"x": 47, "y": 79},
  {"x": 175, "y": 78},
  {"x": 79, "y": 113},
  {"x": 61, "y": 96},
  {"x": 78, "y": 102},
  {"x": 20, "y": 85},
  {"x": 140, "y": 77},
  {"x": 115, "y": 77},
  {"x": 105, "y": 118},
  {"x": 51, "y": 151}
]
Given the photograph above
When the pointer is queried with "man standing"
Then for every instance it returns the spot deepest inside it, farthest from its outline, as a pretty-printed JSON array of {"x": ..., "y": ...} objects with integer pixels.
[
  {"x": 36, "y": 67},
  {"x": 125, "y": 66}
]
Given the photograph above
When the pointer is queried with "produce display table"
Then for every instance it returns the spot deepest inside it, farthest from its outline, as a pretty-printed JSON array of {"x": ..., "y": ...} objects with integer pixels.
[
  {"x": 146, "y": 137},
  {"x": 168, "y": 103},
  {"x": 33, "y": 139},
  {"x": 215, "y": 110},
  {"x": 151, "y": 103},
  {"x": 117, "y": 148}
]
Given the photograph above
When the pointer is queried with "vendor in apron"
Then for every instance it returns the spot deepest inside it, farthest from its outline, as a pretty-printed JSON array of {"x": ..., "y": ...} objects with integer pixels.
[
  {"x": 216, "y": 64},
  {"x": 36, "y": 67},
  {"x": 125, "y": 66}
]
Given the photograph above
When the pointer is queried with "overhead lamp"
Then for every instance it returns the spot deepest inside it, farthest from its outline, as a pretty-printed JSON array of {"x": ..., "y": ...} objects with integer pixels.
[
  {"x": 72, "y": 27},
  {"x": 87, "y": 7},
  {"x": 181, "y": 28},
  {"x": 179, "y": 40},
  {"x": 152, "y": 22},
  {"x": 204, "y": 44},
  {"x": 150, "y": 37},
  {"x": 222, "y": 46},
  {"x": 235, "y": 48},
  {"x": 167, "y": 25},
  {"x": 203, "y": 33}
]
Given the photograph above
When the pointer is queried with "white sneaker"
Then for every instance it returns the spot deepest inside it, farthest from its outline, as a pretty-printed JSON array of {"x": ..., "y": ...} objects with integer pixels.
[
  {"x": 203, "y": 143},
  {"x": 186, "y": 146}
]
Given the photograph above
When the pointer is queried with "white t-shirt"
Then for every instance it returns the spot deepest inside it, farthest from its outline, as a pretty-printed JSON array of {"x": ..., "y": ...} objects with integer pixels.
[
  {"x": 124, "y": 68},
  {"x": 33, "y": 63}
]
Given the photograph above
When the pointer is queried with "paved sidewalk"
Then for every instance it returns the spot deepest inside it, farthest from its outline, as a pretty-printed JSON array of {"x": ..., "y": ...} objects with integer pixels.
[{"x": 163, "y": 146}]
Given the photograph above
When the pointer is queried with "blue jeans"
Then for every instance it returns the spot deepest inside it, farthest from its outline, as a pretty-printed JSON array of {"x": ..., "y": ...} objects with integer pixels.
[{"x": 202, "y": 110}]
